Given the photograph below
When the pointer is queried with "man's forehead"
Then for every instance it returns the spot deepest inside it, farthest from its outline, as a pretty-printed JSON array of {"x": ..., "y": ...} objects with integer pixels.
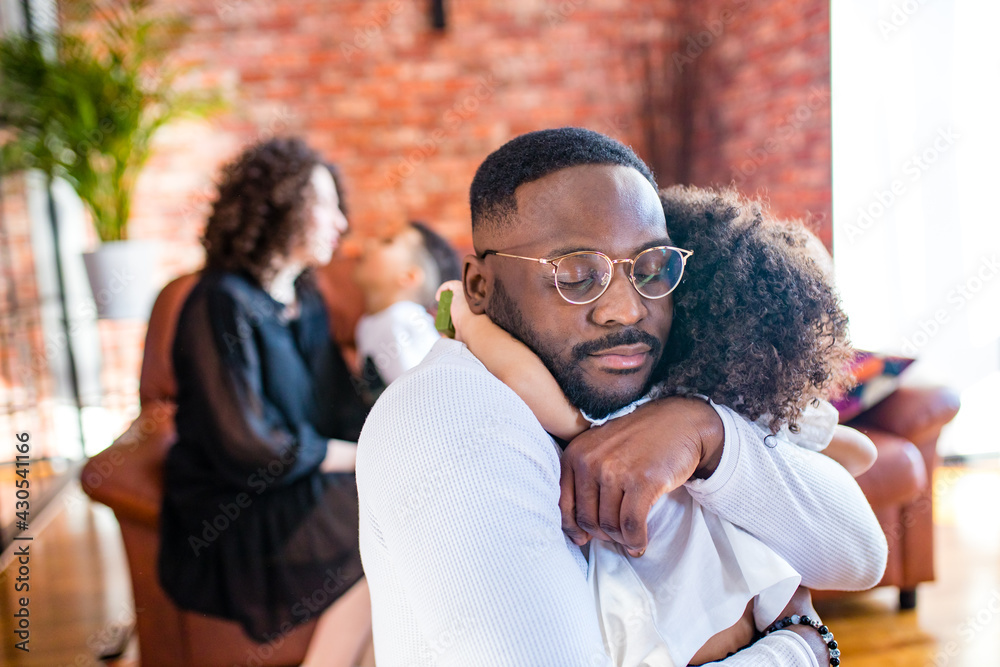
[
  {"x": 588, "y": 204},
  {"x": 593, "y": 182}
]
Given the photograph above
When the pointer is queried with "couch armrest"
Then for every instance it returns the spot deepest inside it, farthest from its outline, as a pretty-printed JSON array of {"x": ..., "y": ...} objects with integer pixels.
[
  {"x": 128, "y": 475},
  {"x": 899, "y": 474},
  {"x": 913, "y": 413}
]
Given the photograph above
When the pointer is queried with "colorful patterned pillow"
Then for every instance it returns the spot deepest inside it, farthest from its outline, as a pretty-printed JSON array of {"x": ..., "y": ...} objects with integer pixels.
[{"x": 877, "y": 376}]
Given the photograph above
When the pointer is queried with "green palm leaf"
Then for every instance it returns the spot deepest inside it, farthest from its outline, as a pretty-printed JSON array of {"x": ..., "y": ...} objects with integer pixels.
[{"x": 88, "y": 113}]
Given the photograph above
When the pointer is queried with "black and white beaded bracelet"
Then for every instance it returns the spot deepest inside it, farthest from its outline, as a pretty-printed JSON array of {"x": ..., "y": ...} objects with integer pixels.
[{"x": 824, "y": 633}]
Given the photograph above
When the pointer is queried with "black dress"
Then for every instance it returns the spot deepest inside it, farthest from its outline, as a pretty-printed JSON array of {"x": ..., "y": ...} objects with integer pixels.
[{"x": 251, "y": 529}]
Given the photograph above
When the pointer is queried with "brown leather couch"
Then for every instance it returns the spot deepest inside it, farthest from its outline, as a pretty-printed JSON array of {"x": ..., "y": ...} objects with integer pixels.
[
  {"x": 128, "y": 477},
  {"x": 905, "y": 428}
]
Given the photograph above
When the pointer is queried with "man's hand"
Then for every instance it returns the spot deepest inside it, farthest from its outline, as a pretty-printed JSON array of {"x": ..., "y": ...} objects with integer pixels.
[{"x": 614, "y": 474}]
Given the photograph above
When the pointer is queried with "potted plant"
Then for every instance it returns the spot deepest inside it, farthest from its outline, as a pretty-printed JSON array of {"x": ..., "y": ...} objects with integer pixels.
[{"x": 84, "y": 105}]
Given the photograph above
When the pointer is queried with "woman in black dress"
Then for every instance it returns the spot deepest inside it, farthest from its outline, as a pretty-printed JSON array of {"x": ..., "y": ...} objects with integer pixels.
[{"x": 260, "y": 509}]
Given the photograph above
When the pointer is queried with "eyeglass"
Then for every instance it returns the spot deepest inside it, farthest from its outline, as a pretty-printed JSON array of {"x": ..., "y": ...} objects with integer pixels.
[{"x": 582, "y": 277}]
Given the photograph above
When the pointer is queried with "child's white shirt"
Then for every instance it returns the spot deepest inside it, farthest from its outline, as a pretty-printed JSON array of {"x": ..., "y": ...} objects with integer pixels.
[
  {"x": 692, "y": 555},
  {"x": 396, "y": 338}
]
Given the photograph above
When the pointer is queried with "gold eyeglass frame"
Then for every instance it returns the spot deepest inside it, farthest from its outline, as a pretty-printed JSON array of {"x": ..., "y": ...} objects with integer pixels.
[{"x": 554, "y": 262}]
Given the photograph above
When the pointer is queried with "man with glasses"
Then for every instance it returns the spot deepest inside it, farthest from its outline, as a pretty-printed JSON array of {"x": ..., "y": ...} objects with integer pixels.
[{"x": 464, "y": 499}]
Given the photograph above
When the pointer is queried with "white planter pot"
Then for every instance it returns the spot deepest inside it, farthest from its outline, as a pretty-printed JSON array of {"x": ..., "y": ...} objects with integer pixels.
[{"x": 121, "y": 278}]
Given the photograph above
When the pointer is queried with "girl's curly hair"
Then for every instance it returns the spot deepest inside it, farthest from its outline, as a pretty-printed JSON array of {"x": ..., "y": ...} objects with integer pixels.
[
  {"x": 260, "y": 211},
  {"x": 757, "y": 325}
]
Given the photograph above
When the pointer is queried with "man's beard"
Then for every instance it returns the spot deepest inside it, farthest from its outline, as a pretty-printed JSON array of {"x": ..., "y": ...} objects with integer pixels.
[{"x": 569, "y": 375}]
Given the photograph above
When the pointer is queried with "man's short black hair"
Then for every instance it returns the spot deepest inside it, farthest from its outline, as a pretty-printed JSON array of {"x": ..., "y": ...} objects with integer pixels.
[
  {"x": 438, "y": 259},
  {"x": 533, "y": 155}
]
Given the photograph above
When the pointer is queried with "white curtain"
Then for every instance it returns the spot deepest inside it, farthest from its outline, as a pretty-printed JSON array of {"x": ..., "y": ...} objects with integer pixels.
[{"x": 916, "y": 148}]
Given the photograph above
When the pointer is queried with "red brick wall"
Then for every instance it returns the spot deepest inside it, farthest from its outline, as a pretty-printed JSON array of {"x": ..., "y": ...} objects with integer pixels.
[
  {"x": 406, "y": 111},
  {"x": 758, "y": 73},
  {"x": 409, "y": 113}
]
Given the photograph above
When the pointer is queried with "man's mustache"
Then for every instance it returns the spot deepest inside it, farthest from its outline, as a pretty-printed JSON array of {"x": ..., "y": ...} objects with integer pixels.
[{"x": 630, "y": 336}]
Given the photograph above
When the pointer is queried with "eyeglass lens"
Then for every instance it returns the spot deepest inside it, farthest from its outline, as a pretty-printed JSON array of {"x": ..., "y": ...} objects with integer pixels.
[{"x": 584, "y": 276}]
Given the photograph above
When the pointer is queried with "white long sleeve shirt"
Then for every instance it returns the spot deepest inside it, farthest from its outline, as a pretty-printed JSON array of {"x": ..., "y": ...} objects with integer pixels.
[
  {"x": 693, "y": 555},
  {"x": 461, "y": 533}
]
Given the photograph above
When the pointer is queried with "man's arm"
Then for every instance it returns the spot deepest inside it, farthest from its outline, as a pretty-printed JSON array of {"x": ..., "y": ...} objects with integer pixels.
[
  {"x": 801, "y": 504},
  {"x": 795, "y": 646},
  {"x": 612, "y": 475},
  {"x": 462, "y": 486},
  {"x": 785, "y": 648}
]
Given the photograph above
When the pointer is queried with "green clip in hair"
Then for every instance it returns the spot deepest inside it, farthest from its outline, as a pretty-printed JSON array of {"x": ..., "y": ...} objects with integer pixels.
[{"x": 443, "y": 321}]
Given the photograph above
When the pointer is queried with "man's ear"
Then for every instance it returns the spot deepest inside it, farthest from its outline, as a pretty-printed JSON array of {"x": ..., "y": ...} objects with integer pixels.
[{"x": 477, "y": 281}]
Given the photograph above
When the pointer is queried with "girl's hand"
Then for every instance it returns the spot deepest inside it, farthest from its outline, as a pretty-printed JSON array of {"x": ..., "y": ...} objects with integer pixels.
[
  {"x": 460, "y": 313},
  {"x": 728, "y": 641}
]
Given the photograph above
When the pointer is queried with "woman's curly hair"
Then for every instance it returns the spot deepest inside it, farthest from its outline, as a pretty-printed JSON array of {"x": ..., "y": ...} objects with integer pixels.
[
  {"x": 260, "y": 211},
  {"x": 757, "y": 325}
]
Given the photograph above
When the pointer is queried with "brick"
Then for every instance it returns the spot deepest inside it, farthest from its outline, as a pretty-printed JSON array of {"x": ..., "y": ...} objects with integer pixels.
[{"x": 297, "y": 67}]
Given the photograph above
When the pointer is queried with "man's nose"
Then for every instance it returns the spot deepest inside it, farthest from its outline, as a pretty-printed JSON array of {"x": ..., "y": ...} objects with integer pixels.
[{"x": 620, "y": 304}]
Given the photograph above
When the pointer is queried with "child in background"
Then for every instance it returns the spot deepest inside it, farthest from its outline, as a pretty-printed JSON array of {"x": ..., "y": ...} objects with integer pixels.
[
  {"x": 736, "y": 574},
  {"x": 398, "y": 276}
]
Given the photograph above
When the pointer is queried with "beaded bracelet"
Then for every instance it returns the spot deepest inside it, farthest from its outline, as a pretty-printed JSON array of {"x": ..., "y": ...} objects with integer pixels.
[{"x": 824, "y": 633}]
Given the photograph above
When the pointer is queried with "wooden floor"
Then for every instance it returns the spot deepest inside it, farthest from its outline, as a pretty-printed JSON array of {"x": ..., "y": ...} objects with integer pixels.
[
  {"x": 79, "y": 581},
  {"x": 80, "y": 588},
  {"x": 957, "y": 620}
]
